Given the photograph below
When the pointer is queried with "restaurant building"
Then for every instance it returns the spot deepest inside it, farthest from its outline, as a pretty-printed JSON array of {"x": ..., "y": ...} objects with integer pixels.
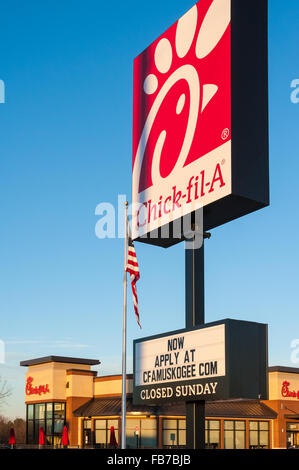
[{"x": 63, "y": 391}]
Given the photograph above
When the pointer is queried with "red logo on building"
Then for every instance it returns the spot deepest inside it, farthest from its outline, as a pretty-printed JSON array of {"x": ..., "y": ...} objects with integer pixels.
[
  {"x": 286, "y": 393},
  {"x": 37, "y": 390}
]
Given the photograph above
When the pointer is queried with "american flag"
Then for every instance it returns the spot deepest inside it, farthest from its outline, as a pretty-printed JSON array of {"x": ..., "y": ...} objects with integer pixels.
[{"x": 133, "y": 269}]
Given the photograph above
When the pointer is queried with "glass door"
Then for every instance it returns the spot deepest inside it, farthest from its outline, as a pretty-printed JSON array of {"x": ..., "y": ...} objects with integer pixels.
[
  {"x": 86, "y": 437},
  {"x": 87, "y": 433}
]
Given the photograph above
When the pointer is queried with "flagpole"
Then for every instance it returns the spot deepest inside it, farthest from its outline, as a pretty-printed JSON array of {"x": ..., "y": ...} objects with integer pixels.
[{"x": 124, "y": 351}]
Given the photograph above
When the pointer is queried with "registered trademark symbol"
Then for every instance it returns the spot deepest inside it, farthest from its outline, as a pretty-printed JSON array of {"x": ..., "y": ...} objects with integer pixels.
[
  {"x": 223, "y": 161},
  {"x": 225, "y": 134}
]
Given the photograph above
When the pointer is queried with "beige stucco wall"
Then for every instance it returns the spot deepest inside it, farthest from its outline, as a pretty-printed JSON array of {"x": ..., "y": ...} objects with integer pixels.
[
  {"x": 276, "y": 380},
  {"x": 111, "y": 386},
  {"x": 53, "y": 374},
  {"x": 63, "y": 385},
  {"x": 80, "y": 386}
]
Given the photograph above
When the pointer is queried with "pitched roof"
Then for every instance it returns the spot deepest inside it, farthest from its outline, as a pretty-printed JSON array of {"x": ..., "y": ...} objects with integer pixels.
[
  {"x": 226, "y": 409},
  {"x": 217, "y": 409},
  {"x": 110, "y": 407}
]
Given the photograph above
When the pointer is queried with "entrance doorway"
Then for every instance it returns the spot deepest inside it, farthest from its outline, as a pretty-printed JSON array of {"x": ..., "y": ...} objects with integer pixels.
[
  {"x": 87, "y": 433},
  {"x": 86, "y": 437}
]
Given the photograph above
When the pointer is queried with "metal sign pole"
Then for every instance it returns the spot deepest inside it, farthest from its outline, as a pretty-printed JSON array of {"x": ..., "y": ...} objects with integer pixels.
[
  {"x": 195, "y": 315},
  {"x": 124, "y": 344}
]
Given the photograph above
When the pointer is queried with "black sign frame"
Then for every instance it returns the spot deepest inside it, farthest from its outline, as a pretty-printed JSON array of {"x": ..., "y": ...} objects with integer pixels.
[
  {"x": 246, "y": 363},
  {"x": 249, "y": 126}
]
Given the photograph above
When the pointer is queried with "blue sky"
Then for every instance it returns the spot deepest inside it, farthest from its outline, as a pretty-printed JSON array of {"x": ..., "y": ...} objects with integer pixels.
[{"x": 65, "y": 147}]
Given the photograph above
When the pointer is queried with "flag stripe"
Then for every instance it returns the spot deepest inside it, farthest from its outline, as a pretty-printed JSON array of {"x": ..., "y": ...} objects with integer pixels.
[{"x": 133, "y": 269}]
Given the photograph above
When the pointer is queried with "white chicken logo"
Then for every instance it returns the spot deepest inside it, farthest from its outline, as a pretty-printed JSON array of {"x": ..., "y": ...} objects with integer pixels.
[{"x": 211, "y": 31}]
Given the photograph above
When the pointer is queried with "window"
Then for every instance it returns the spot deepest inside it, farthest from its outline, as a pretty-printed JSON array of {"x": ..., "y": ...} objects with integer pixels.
[
  {"x": 174, "y": 432},
  {"x": 259, "y": 434},
  {"x": 49, "y": 427},
  {"x": 212, "y": 428},
  {"x": 30, "y": 411},
  {"x": 148, "y": 433},
  {"x": 50, "y": 417},
  {"x": 141, "y": 433},
  {"x": 30, "y": 432},
  {"x": 102, "y": 431},
  {"x": 40, "y": 411},
  {"x": 293, "y": 427},
  {"x": 38, "y": 422},
  {"x": 58, "y": 410},
  {"x": 49, "y": 411},
  {"x": 234, "y": 435},
  {"x": 132, "y": 438},
  {"x": 87, "y": 424},
  {"x": 59, "y": 418}
]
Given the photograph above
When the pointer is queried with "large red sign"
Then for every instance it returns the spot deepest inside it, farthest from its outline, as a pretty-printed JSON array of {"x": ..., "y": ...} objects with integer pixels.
[
  {"x": 185, "y": 118},
  {"x": 182, "y": 117},
  {"x": 35, "y": 390}
]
